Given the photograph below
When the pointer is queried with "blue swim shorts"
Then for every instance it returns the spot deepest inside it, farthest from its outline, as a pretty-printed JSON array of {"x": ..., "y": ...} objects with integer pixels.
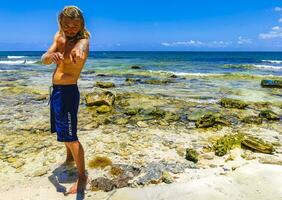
[{"x": 64, "y": 103}]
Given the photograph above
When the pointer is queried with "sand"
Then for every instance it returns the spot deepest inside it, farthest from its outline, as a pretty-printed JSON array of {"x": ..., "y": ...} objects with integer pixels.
[{"x": 252, "y": 181}]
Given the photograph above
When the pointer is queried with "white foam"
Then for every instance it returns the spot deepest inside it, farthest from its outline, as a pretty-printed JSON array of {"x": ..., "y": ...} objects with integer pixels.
[
  {"x": 15, "y": 57},
  {"x": 17, "y": 62},
  {"x": 186, "y": 73},
  {"x": 196, "y": 74},
  {"x": 7, "y": 70},
  {"x": 273, "y": 61},
  {"x": 270, "y": 67}
]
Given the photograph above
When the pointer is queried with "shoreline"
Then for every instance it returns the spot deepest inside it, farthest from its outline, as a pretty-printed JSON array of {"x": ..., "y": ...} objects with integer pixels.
[{"x": 166, "y": 135}]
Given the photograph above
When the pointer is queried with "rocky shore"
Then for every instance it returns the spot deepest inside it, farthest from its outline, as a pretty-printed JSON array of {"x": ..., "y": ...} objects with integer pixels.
[{"x": 138, "y": 142}]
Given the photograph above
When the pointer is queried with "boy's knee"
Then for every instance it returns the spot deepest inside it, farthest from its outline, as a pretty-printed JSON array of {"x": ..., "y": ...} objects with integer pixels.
[{"x": 72, "y": 143}]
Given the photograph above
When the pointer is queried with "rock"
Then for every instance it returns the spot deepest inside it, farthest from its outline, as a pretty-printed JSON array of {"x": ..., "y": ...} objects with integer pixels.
[
  {"x": 271, "y": 83},
  {"x": 157, "y": 81},
  {"x": 90, "y": 126},
  {"x": 232, "y": 103},
  {"x": 12, "y": 159},
  {"x": 133, "y": 80},
  {"x": 171, "y": 117},
  {"x": 191, "y": 155},
  {"x": 208, "y": 156},
  {"x": 166, "y": 177},
  {"x": 100, "y": 162},
  {"x": 180, "y": 151},
  {"x": 102, "y": 75},
  {"x": 173, "y": 76},
  {"x": 258, "y": 145},
  {"x": 153, "y": 172},
  {"x": 273, "y": 160},
  {"x": 123, "y": 103},
  {"x": 132, "y": 111},
  {"x": 104, "y": 109},
  {"x": 41, "y": 97},
  {"x": 248, "y": 155},
  {"x": 122, "y": 173},
  {"x": 261, "y": 105},
  {"x": 40, "y": 171},
  {"x": 17, "y": 164},
  {"x": 135, "y": 67},
  {"x": 104, "y": 84},
  {"x": 210, "y": 120},
  {"x": 154, "y": 111},
  {"x": 121, "y": 121},
  {"x": 252, "y": 120},
  {"x": 226, "y": 143},
  {"x": 98, "y": 99},
  {"x": 102, "y": 120},
  {"x": 102, "y": 183},
  {"x": 163, "y": 123},
  {"x": 196, "y": 115},
  {"x": 142, "y": 124},
  {"x": 268, "y": 114}
]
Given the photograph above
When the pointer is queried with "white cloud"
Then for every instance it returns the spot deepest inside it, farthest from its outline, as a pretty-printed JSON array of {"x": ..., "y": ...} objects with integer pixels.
[
  {"x": 278, "y": 9},
  {"x": 165, "y": 44},
  {"x": 193, "y": 43},
  {"x": 183, "y": 43},
  {"x": 276, "y": 32},
  {"x": 242, "y": 40},
  {"x": 280, "y": 20},
  {"x": 219, "y": 44}
]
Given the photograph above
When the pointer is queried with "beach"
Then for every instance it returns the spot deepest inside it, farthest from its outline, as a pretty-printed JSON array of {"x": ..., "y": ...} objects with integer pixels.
[{"x": 154, "y": 125}]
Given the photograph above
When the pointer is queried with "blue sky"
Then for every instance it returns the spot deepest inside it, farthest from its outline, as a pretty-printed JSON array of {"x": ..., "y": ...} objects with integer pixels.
[{"x": 149, "y": 24}]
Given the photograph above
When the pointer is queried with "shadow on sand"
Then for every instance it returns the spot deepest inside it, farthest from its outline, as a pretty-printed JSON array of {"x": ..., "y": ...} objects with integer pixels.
[{"x": 62, "y": 175}]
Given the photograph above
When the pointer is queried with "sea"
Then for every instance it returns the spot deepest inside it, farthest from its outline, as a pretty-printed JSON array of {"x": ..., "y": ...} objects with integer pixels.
[{"x": 200, "y": 75}]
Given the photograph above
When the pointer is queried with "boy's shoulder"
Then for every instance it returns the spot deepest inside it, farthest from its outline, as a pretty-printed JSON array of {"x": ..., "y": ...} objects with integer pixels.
[{"x": 59, "y": 37}]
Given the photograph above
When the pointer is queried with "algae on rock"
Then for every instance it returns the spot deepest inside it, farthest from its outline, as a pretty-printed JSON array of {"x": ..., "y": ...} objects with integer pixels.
[{"x": 224, "y": 144}]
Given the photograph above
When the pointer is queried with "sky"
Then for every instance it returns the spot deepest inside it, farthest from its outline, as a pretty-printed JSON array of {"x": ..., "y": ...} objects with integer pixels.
[{"x": 148, "y": 25}]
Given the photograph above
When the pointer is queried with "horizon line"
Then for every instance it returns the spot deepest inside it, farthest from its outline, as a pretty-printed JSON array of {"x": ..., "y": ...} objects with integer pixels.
[{"x": 160, "y": 51}]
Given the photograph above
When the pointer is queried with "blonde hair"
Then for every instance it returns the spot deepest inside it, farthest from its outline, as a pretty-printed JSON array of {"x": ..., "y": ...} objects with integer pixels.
[{"x": 74, "y": 12}]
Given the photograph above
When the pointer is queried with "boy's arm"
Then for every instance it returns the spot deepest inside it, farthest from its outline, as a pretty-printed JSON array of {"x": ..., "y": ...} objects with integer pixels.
[
  {"x": 51, "y": 55},
  {"x": 80, "y": 51}
]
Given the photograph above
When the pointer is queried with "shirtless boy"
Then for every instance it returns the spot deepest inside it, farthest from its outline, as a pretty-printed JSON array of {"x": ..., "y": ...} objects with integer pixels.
[{"x": 69, "y": 52}]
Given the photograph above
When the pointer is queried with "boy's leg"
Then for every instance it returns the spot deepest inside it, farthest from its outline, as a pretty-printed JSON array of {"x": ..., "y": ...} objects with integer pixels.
[
  {"x": 78, "y": 155},
  {"x": 69, "y": 158}
]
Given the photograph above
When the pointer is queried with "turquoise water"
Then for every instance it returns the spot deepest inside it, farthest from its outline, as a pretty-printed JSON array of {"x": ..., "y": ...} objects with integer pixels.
[
  {"x": 201, "y": 76},
  {"x": 254, "y": 63}
]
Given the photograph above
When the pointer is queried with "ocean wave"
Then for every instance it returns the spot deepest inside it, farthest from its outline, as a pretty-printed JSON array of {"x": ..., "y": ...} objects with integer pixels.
[
  {"x": 186, "y": 73},
  {"x": 219, "y": 75},
  {"x": 242, "y": 66},
  {"x": 273, "y": 61},
  {"x": 271, "y": 67},
  {"x": 167, "y": 74},
  {"x": 8, "y": 70},
  {"x": 17, "y": 62},
  {"x": 252, "y": 66},
  {"x": 15, "y": 57}
]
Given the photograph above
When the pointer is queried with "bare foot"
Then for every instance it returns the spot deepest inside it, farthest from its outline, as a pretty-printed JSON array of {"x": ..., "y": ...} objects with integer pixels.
[{"x": 79, "y": 186}]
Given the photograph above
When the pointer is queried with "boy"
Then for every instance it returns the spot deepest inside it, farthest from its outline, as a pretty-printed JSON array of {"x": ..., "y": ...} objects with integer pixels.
[{"x": 69, "y": 52}]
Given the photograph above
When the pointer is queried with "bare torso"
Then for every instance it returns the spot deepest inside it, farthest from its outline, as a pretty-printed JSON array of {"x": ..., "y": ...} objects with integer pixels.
[{"x": 66, "y": 72}]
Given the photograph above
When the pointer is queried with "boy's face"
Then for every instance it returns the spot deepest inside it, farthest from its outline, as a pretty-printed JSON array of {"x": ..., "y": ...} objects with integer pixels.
[{"x": 70, "y": 26}]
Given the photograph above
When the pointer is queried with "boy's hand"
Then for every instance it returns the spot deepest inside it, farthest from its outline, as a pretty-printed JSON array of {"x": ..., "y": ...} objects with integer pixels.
[
  {"x": 76, "y": 55},
  {"x": 56, "y": 57},
  {"x": 80, "y": 51}
]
